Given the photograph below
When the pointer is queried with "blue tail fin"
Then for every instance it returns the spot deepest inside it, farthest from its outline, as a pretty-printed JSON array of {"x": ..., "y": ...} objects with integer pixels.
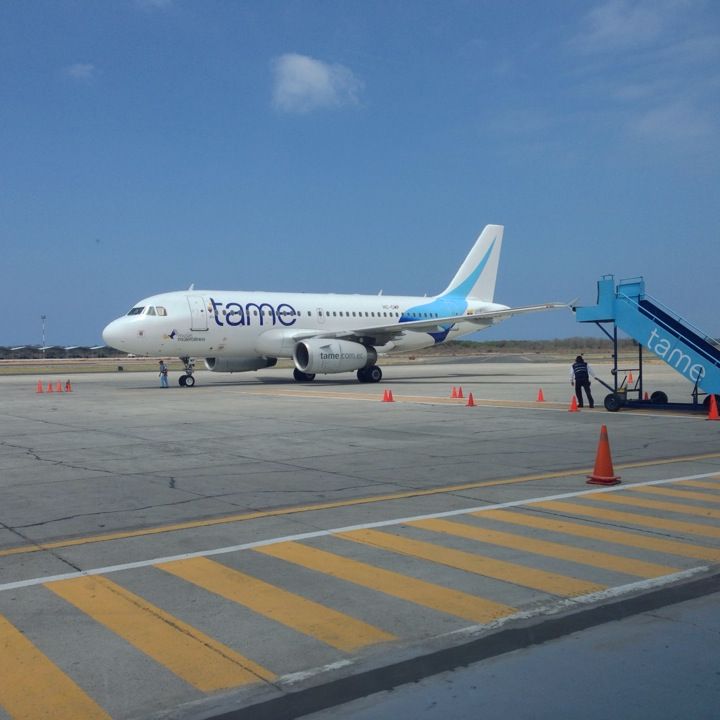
[{"x": 476, "y": 276}]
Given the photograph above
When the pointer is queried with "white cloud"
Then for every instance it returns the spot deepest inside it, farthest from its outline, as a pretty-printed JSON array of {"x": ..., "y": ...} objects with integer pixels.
[
  {"x": 153, "y": 4},
  {"x": 303, "y": 84},
  {"x": 650, "y": 67},
  {"x": 677, "y": 122},
  {"x": 624, "y": 24},
  {"x": 81, "y": 72}
]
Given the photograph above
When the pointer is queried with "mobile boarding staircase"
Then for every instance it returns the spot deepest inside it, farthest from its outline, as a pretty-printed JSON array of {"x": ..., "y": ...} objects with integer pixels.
[{"x": 664, "y": 333}]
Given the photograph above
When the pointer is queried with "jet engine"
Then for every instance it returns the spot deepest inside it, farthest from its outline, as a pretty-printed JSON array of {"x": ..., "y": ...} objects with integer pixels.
[
  {"x": 332, "y": 356},
  {"x": 242, "y": 364}
]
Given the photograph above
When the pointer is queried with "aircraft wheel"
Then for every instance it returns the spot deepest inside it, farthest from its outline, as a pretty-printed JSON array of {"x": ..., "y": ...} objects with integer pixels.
[
  {"x": 373, "y": 374},
  {"x": 189, "y": 381},
  {"x": 300, "y": 376},
  {"x": 362, "y": 375},
  {"x": 706, "y": 401},
  {"x": 659, "y": 398},
  {"x": 613, "y": 402},
  {"x": 182, "y": 380}
]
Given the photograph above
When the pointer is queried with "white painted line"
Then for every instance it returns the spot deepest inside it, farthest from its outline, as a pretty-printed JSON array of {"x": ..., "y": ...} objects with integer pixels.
[
  {"x": 542, "y": 610},
  {"x": 334, "y": 531},
  {"x": 565, "y": 603},
  {"x": 296, "y": 677}
]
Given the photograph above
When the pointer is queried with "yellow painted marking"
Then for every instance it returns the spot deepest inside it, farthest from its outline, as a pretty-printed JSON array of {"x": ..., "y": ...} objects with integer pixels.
[
  {"x": 623, "y": 499},
  {"x": 631, "y": 518},
  {"x": 305, "y": 616},
  {"x": 548, "y": 582},
  {"x": 670, "y": 493},
  {"x": 702, "y": 484},
  {"x": 619, "y": 537},
  {"x": 420, "y": 592},
  {"x": 197, "y": 658},
  {"x": 32, "y": 686},
  {"x": 313, "y": 507},
  {"x": 595, "y": 558}
]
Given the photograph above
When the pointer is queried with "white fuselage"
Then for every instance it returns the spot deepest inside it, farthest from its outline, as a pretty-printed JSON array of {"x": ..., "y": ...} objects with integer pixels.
[{"x": 222, "y": 323}]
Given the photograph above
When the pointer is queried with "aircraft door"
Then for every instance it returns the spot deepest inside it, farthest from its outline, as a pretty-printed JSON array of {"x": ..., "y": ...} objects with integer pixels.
[{"x": 198, "y": 312}]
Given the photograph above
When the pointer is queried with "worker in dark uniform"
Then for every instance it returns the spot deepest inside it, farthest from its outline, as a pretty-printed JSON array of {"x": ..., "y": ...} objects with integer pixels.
[{"x": 580, "y": 373}]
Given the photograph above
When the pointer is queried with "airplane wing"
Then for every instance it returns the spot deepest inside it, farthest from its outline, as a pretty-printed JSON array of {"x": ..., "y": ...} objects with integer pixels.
[{"x": 382, "y": 334}]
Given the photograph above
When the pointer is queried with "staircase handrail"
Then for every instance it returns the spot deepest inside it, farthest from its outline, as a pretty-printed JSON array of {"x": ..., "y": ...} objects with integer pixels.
[
  {"x": 686, "y": 340},
  {"x": 698, "y": 331}
]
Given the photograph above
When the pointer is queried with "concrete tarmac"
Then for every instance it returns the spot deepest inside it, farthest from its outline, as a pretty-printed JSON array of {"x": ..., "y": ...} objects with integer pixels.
[{"x": 307, "y": 534}]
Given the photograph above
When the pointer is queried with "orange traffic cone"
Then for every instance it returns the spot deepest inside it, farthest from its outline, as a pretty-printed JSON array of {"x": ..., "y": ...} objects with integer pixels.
[
  {"x": 460, "y": 393},
  {"x": 471, "y": 401},
  {"x": 388, "y": 396},
  {"x": 603, "y": 473},
  {"x": 39, "y": 386},
  {"x": 540, "y": 397},
  {"x": 573, "y": 405},
  {"x": 646, "y": 396},
  {"x": 58, "y": 387},
  {"x": 49, "y": 388},
  {"x": 630, "y": 378},
  {"x": 454, "y": 394},
  {"x": 713, "y": 414},
  {"x": 68, "y": 386}
]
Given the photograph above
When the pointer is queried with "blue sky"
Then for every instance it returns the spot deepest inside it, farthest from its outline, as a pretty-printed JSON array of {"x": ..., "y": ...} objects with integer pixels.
[{"x": 337, "y": 146}]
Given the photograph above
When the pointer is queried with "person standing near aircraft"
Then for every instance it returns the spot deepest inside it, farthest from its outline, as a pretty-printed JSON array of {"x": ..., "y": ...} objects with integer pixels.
[
  {"x": 163, "y": 374},
  {"x": 580, "y": 373}
]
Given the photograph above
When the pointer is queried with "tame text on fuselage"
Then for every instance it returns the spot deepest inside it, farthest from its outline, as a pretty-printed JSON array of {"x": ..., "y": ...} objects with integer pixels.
[{"x": 235, "y": 314}]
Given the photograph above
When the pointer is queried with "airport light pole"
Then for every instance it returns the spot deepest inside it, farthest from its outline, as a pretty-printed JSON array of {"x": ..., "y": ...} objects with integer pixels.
[{"x": 42, "y": 319}]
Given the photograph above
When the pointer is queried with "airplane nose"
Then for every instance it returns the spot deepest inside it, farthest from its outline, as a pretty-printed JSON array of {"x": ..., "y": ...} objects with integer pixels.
[{"x": 112, "y": 335}]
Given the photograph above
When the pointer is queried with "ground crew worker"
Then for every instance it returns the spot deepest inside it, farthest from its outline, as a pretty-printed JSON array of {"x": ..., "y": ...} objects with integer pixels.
[
  {"x": 163, "y": 374},
  {"x": 580, "y": 373}
]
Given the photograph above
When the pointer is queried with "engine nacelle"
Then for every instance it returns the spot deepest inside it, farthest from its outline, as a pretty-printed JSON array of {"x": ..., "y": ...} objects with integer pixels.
[
  {"x": 332, "y": 356},
  {"x": 242, "y": 364}
]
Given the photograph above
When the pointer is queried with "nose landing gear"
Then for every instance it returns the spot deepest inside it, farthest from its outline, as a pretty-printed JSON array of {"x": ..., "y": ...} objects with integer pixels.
[{"x": 187, "y": 380}]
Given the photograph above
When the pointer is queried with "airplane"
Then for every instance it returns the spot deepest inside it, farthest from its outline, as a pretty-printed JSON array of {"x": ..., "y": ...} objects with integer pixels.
[{"x": 237, "y": 331}]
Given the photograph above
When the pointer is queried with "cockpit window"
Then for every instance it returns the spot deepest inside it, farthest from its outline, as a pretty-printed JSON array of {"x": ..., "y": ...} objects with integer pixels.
[
  {"x": 151, "y": 310},
  {"x": 136, "y": 311},
  {"x": 161, "y": 311}
]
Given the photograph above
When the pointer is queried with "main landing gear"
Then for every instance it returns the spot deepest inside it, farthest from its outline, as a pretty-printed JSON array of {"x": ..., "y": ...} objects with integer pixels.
[
  {"x": 187, "y": 380},
  {"x": 370, "y": 374}
]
